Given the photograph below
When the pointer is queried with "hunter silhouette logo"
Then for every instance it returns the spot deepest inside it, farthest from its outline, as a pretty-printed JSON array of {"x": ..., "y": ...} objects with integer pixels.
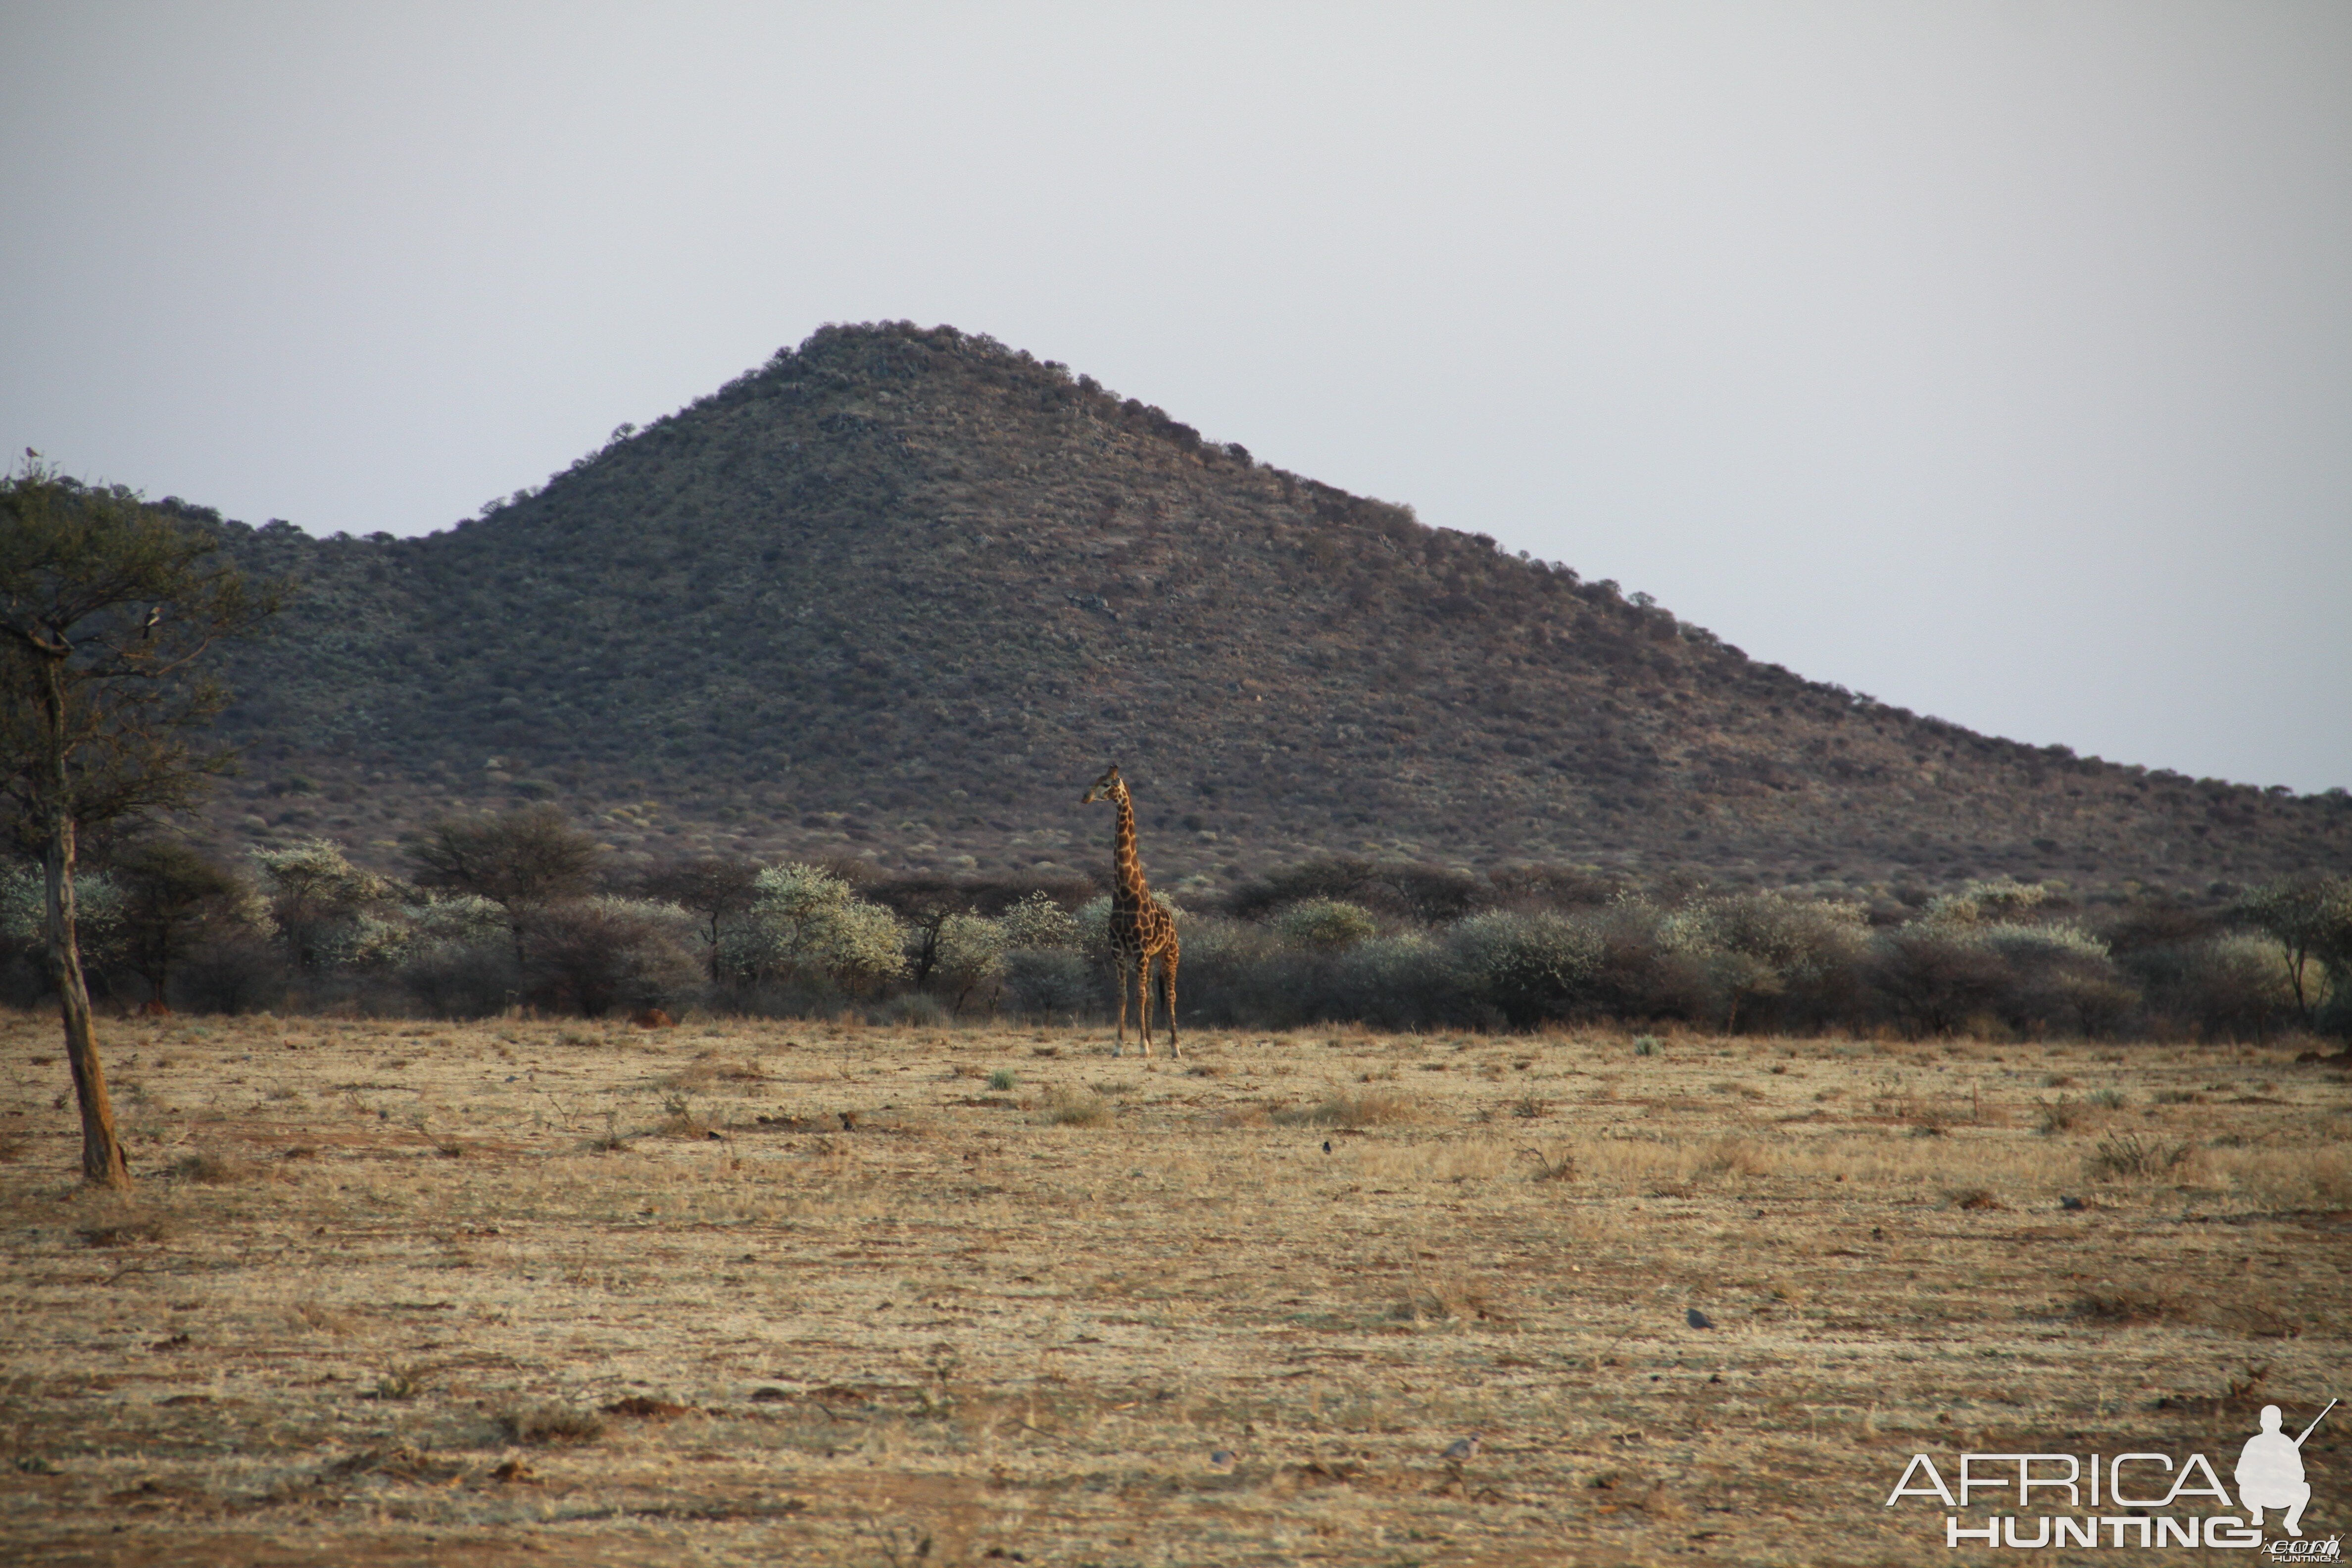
[
  {"x": 2135, "y": 1499},
  {"x": 2270, "y": 1471}
]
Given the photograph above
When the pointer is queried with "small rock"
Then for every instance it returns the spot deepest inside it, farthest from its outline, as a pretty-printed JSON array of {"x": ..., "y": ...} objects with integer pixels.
[
  {"x": 1463, "y": 1447},
  {"x": 1326, "y": 1145},
  {"x": 2073, "y": 1203},
  {"x": 1222, "y": 1457},
  {"x": 1698, "y": 1320}
]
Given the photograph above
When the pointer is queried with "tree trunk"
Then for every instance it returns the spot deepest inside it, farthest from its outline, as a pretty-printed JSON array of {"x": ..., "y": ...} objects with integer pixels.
[{"x": 102, "y": 1149}]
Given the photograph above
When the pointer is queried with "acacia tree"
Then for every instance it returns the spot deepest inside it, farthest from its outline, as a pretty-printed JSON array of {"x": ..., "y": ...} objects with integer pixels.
[
  {"x": 717, "y": 888},
  {"x": 2309, "y": 916},
  {"x": 106, "y": 607},
  {"x": 316, "y": 895},
  {"x": 521, "y": 861},
  {"x": 171, "y": 894}
]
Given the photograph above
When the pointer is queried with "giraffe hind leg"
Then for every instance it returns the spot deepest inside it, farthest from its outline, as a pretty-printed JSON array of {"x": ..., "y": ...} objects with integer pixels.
[{"x": 1168, "y": 1000}]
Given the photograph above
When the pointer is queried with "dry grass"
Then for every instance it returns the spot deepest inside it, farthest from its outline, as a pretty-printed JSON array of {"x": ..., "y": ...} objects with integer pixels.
[
  {"x": 541, "y": 1426},
  {"x": 212, "y": 1169},
  {"x": 1373, "y": 1108},
  {"x": 663, "y": 1308},
  {"x": 1066, "y": 1107}
]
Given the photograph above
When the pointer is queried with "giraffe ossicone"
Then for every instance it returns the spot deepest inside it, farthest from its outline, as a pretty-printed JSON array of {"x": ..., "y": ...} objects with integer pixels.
[{"x": 1143, "y": 935}]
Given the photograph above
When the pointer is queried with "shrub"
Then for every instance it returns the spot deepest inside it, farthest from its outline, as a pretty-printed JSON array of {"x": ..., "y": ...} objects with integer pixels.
[
  {"x": 1639, "y": 972},
  {"x": 463, "y": 979},
  {"x": 2059, "y": 978},
  {"x": 2230, "y": 987},
  {"x": 1527, "y": 967},
  {"x": 918, "y": 1008},
  {"x": 967, "y": 959},
  {"x": 807, "y": 923},
  {"x": 2001, "y": 899},
  {"x": 2308, "y": 918},
  {"x": 1933, "y": 978},
  {"x": 596, "y": 955},
  {"x": 1325, "y": 925},
  {"x": 320, "y": 901},
  {"x": 1401, "y": 981},
  {"x": 1049, "y": 982},
  {"x": 1781, "y": 962},
  {"x": 1038, "y": 921},
  {"x": 1237, "y": 973},
  {"x": 237, "y": 971}
]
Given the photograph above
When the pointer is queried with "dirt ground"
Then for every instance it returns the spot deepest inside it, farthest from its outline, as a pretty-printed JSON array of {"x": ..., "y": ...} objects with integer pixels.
[{"x": 556, "y": 1292}]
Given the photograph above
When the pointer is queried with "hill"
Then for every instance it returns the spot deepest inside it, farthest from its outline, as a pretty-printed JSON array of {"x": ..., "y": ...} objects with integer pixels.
[{"x": 899, "y": 594}]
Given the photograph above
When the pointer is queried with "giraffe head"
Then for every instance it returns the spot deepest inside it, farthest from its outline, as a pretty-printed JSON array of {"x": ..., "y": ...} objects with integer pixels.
[{"x": 1110, "y": 786}]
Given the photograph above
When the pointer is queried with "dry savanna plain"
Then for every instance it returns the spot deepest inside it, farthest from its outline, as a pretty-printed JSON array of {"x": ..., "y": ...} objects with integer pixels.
[{"x": 564, "y": 1292}]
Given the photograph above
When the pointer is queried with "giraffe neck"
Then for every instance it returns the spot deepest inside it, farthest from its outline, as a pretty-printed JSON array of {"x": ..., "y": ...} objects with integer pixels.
[{"x": 1126, "y": 865}]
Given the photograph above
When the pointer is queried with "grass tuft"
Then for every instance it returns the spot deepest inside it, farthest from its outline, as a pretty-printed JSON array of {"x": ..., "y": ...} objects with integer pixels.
[
  {"x": 549, "y": 1425},
  {"x": 1375, "y": 1108},
  {"x": 1076, "y": 1108},
  {"x": 2126, "y": 1156},
  {"x": 210, "y": 1169}
]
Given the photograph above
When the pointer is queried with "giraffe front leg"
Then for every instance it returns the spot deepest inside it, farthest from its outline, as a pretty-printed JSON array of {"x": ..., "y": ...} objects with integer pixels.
[
  {"x": 1143, "y": 1001},
  {"x": 1120, "y": 1049}
]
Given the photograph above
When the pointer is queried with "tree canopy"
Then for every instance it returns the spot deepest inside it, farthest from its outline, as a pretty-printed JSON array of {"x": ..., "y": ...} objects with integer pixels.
[{"x": 105, "y": 606}]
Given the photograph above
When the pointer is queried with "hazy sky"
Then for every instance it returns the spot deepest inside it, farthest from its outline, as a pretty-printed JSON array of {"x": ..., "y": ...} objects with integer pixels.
[{"x": 1995, "y": 359}]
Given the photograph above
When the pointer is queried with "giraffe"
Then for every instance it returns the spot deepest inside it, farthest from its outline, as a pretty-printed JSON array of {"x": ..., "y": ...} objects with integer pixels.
[{"x": 1140, "y": 930}]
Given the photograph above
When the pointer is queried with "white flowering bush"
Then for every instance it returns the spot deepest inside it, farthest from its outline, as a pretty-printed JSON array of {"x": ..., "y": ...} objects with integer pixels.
[
  {"x": 24, "y": 910},
  {"x": 366, "y": 942},
  {"x": 1037, "y": 921},
  {"x": 1527, "y": 967},
  {"x": 1764, "y": 952},
  {"x": 1326, "y": 925},
  {"x": 1996, "y": 900},
  {"x": 969, "y": 959},
  {"x": 455, "y": 920},
  {"x": 327, "y": 908},
  {"x": 807, "y": 923}
]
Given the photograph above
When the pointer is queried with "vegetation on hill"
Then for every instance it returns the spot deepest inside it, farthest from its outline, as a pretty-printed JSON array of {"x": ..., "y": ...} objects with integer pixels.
[{"x": 897, "y": 593}]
